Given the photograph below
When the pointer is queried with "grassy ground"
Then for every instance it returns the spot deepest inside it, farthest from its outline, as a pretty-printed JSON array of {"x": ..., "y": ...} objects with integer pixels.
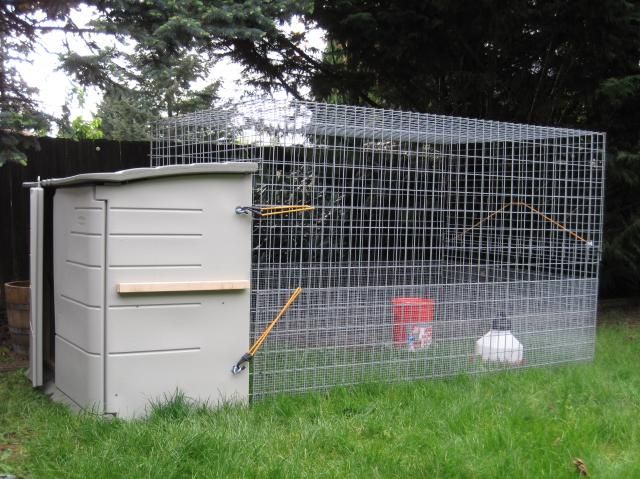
[{"x": 529, "y": 424}]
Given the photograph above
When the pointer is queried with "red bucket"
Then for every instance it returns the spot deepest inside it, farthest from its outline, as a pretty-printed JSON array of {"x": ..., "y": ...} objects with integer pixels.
[{"x": 412, "y": 319}]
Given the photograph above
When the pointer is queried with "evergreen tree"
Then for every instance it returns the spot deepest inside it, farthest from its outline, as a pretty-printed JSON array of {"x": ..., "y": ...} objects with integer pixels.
[
  {"x": 20, "y": 118},
  {"x": 174, "y": 42},
  {"x": 557, "y": 62},
  {"x": 552, "y": 62},
  {"x": 153, "y": 86}
]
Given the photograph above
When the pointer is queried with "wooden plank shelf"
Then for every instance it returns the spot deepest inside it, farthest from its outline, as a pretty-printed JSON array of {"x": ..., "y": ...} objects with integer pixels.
[{"x": 182, "y": 286}]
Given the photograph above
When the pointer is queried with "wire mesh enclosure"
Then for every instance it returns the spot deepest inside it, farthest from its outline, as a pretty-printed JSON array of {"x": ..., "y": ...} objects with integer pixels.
[{"x": 437, "y": 245}]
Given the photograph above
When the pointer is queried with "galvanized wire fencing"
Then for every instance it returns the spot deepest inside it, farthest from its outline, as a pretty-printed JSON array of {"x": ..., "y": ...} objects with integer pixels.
[{"x": 436, "y": 245}]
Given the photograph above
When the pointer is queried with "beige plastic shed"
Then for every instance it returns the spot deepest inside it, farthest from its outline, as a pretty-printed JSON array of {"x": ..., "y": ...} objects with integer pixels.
[{"x": 151, "y": 271}]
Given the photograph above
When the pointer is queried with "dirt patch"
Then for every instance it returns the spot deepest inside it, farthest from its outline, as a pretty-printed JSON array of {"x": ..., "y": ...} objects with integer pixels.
[
  {"x": 620, "y": 311},
  {"x": 630, "y": 316},
  {"x": 12, "y": 448},
  {"x": 11, "y": 452},
  {"x": 9, "y": 361}
]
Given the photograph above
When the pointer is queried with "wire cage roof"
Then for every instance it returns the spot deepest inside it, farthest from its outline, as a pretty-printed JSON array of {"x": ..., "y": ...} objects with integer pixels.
[{"x": 286, "y": 120}]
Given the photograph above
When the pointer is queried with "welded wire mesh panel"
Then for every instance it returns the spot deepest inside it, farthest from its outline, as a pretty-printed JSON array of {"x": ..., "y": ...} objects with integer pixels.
[{"x": 437, "y": 245}]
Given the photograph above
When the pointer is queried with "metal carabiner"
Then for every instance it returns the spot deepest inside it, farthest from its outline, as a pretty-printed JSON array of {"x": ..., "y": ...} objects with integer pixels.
[
  {"x": 247, "y": 210},
  {"x": 242, "y": 364}
]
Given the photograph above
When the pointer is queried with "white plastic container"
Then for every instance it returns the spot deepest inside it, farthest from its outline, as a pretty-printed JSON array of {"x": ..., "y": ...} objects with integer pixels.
[{"x": 500, "y": 346}]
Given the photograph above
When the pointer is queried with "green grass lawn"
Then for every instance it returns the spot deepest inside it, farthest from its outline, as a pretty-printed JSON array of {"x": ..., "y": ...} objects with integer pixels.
[{"x": 530, "y": 423}]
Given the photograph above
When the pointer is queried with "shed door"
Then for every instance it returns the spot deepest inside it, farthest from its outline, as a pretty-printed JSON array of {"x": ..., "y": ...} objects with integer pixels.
[
  {"x": 176, "y": 230},
  {"x": 36, "y": 225}
]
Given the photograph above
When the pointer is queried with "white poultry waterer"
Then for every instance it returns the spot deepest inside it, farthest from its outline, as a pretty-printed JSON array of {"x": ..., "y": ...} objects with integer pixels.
[{"x": 499, "y": 345}]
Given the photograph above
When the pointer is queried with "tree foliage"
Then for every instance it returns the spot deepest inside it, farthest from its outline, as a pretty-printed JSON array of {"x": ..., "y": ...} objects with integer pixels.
[
  {"x": 162, "y": 54},
  {"x": 554, "y": 62},
  {"x": 524, "y": 60},
  {"x": 558, "y": 62},
  {"x": 152, "y": 86},
  {"x": 247, "y": 31},
  {"x": 20, "y": 118}
]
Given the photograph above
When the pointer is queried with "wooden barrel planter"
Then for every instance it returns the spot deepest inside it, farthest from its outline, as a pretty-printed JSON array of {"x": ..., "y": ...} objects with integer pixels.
[{"x": 18, "y": 301}]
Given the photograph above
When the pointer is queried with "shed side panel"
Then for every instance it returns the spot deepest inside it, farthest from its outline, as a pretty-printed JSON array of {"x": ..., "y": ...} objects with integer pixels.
[{"x": 78, "y": 236}]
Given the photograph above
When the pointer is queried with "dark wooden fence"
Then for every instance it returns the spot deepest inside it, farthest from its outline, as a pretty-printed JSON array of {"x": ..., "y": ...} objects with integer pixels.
[
  {"x": 59, "y": 158},
  {"x": 56, "y": 158}
]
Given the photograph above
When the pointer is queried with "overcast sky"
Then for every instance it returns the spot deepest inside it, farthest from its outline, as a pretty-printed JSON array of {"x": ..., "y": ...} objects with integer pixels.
[{"x": 55, "y": 86}]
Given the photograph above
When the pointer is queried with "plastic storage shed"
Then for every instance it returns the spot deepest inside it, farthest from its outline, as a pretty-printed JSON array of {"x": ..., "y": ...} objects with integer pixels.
[{"x": 151, "y": 271}]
